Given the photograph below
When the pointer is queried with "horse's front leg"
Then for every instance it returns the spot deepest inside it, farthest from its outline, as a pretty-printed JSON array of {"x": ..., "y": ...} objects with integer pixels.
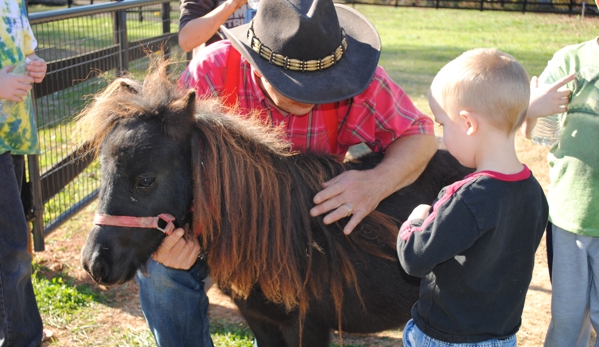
[
  {"x": 273, "y": 326},
  {"x": 316, "y": 332},
  {"x": 267, "y": 334}
]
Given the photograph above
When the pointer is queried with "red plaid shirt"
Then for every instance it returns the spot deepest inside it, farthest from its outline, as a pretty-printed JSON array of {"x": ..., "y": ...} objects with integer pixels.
[{"x": 376, "y": 117}]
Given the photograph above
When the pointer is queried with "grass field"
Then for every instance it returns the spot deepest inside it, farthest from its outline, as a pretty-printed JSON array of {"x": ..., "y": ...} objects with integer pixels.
[{"x": 416, "y": 44}]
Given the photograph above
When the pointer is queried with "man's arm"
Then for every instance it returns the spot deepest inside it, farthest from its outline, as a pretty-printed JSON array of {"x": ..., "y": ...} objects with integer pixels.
[
  {"x": 201, "y": 29},
  {"x": 361, "y": 191}
]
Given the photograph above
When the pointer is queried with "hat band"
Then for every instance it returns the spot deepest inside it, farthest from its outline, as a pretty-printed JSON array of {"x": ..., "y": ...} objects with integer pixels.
[{"x": 295, "y": 64}]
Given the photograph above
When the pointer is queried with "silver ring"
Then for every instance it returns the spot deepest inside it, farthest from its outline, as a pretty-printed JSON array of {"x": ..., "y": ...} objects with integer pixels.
[{"x": 349, "y": 210}]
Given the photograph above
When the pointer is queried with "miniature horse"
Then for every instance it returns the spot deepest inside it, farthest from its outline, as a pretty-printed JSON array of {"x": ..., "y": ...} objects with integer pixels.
[{"x": 236, "y": 182}]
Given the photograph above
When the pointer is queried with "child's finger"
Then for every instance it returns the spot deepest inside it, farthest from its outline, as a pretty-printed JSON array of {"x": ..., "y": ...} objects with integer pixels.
[{"x": 562, "y": 82}]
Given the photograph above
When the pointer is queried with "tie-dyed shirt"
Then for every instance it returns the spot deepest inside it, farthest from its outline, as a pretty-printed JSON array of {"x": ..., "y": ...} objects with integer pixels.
[{"x": 18, "y": 134}]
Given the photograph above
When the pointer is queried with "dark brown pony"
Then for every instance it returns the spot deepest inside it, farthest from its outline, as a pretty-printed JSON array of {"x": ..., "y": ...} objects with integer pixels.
[{"x": 293, "y": 277}]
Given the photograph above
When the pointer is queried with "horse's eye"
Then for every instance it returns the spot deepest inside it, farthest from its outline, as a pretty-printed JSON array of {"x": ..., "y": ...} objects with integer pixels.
[{"x": 145, "y": 182}]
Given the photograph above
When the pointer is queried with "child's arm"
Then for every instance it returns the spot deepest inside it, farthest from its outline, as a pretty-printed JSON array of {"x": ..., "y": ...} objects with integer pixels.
[
  {"x": 546, "y": 100},
  {"x": 14, "y": 87},
  {"x": 36, "y": 68},
  {"x": 427, "y": 240}
]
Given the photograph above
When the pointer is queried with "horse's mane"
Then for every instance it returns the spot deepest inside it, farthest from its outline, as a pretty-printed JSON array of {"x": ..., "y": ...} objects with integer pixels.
[{"x": 252, "y": 195}]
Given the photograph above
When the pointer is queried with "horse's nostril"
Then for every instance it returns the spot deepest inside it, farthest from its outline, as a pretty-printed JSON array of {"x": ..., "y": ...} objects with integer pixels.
[
  {"x": 98, "y": 270},
  {"x": 86, "y": 267}
]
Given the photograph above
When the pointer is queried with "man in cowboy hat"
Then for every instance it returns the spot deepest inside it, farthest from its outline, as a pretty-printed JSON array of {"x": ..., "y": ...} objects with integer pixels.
[{"x": 310, "y": 67}]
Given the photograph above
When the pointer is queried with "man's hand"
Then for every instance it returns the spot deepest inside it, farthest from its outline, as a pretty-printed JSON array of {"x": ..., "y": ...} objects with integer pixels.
[
  {"x": 357, "y": 193},
  {"x": 177, "y": 252},
  {"x": 352, "y": 193}
]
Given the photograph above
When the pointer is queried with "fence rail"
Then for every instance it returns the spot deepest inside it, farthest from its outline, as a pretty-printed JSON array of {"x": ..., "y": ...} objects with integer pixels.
[
  {"x": 85, "y": 47},
  {"x": 540, "y": 6}
]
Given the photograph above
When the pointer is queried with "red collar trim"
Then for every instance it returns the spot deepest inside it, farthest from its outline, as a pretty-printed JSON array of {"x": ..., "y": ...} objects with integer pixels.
[{"x": 520, "y": 176}]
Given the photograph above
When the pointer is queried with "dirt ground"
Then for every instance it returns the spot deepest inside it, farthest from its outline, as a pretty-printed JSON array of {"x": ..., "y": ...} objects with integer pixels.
[{"x": 123, "y": 313}]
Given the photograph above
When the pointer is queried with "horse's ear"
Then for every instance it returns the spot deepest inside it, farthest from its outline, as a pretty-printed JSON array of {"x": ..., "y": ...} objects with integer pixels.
[
  {"x": 121, "y": 85},
  {"x": 124, "y": 85},
  {"x": 186, "y": 105},
  {"x": 176, "y": 123}
]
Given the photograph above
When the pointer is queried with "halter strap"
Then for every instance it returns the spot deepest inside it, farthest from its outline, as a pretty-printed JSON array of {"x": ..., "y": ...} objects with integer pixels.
[{"x": 138, "y": 222}]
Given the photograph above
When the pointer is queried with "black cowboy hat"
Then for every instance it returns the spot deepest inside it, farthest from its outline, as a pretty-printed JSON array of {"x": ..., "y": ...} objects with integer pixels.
[{"x": 311, "y": 51}]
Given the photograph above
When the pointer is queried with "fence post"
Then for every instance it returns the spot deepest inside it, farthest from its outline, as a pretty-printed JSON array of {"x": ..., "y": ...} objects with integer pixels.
[
  {"x": 570, "y": 6},
  {"x": 120, "y": 38},
  {"x": 35, "y": 180},
  {"x": 524, "y": 6},
  {"x": 166, "y": 17},
  {"x": 35, "y": 186},
  {"x": 166, "y": 26},
  {"x": 482, "y": 5}
]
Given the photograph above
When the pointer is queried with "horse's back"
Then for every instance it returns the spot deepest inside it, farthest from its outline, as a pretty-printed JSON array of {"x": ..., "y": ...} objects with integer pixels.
[
  {"x": 387, "y": 293},
  {"x": 442, "y": 170}
]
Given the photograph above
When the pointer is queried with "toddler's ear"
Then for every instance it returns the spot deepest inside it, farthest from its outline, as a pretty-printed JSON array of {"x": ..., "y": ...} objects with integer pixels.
[{"x": 469, "y": 121}]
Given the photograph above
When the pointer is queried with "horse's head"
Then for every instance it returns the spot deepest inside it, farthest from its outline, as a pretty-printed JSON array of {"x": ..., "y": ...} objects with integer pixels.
[{"x": 141, "y": 133}]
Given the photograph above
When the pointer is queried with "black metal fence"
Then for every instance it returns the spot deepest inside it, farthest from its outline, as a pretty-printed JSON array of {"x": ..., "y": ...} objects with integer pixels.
[
  {"x": 85, "y": 47},
  {"x": 573, "y": 7}
]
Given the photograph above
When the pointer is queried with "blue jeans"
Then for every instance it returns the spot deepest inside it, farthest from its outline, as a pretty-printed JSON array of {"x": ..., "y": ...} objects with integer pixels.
[
  {"x": 20, "y": 321},
  {"x": 414, "y": 337},
  {"x": 175, "y": 304}
]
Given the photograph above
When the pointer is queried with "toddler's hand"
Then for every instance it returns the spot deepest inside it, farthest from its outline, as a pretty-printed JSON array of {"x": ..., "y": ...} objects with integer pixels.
[
  {"x": 548, "y": 99},
  {"x": 14, "y": 87},
  {"x": 420, "y": 212},
  {"x": 37, "y": 68}
]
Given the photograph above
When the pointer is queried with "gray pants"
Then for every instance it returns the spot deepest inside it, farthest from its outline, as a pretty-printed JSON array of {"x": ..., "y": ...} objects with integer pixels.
[{"x": 575, "y": 293}]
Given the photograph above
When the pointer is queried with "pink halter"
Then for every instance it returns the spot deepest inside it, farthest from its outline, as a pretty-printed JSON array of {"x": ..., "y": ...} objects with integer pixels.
[{"x": 137, "y": 222}]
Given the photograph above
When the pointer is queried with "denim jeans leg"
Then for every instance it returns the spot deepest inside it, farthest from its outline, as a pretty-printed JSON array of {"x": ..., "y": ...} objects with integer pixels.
[
  {"x": 175, "y": 304},
  {"x": 414, "y": 337},
  {"x": 20, "y": 321},
  {"x": 409, "y": 334}
]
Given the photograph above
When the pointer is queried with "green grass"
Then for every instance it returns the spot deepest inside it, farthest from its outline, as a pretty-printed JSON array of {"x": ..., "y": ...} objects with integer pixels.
[
  {"x": 58, "y": 297},
  {"x": 416, "y": 44},
  {"x": 227, "y": 334}
]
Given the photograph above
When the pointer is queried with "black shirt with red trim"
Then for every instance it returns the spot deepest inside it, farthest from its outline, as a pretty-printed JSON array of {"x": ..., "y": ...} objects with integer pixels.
[{"x": 475, "y": 253}]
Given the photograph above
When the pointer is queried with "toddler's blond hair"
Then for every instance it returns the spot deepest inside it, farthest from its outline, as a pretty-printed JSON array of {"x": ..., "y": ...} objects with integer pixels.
[{"x": 486, "y": 81}]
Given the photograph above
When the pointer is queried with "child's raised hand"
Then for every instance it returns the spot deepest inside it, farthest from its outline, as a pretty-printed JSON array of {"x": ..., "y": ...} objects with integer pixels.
[
  {"x": 37, "y": 68},
  {"x": 14, "y": 87},
  {"x": 548, "y": 99},
  {"x": 420, "y": 212}
]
